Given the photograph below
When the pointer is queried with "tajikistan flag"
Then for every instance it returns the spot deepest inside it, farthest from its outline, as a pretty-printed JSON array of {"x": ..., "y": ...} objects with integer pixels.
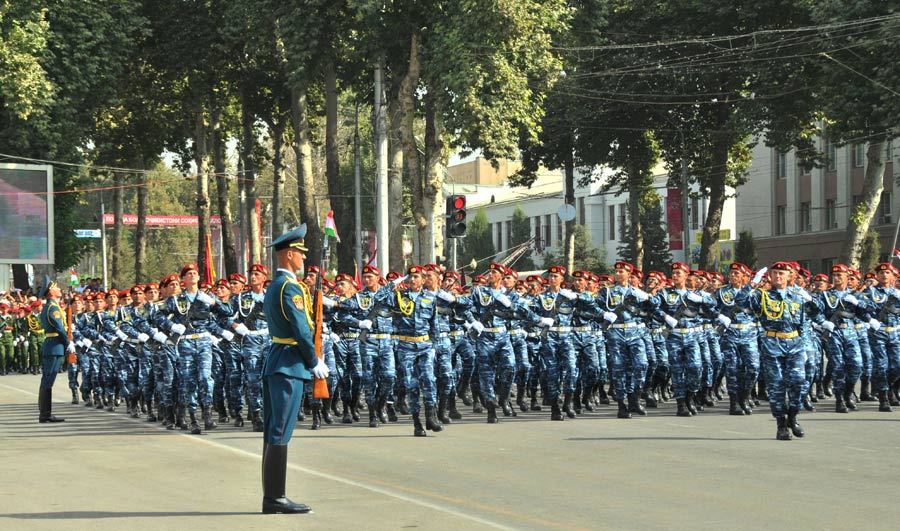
[
  {"x": 330, "y": 227},
  {"x": 73, "y": 277}
]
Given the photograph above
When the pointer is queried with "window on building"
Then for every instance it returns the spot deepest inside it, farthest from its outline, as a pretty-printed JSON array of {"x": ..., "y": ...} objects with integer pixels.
[
  {"x": 884, "y": 209},
  {"x": 581, "y": 213},
  {"x": 832, "y": 156},
  {"x": 500, "y": 247},
  {"x": 781, "y": 220},
  {"x": 509, "y": 233},
  {"x": 559, "y": 230},
  {"x": 539, "y": 242},
  {"x": 612, "y": 223},
  {"x": 547, "y": 241},
  {"x": 859, "y": 155},
  {"x": 695, "y": 213},
  {"x": 622, "y": 218},
  {"x": 781, "y": 164},
  {"x": 805, "y": 222},
  {"x": 827, "y": 263},
  {"x": 805, "y": 264},
  {"x": 830, "y": 214}
]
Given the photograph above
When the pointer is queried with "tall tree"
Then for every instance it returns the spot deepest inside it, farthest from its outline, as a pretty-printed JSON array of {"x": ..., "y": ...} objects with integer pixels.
[
  {"x": 521, "y": 233},
  {"x": 478, "y": 244}
]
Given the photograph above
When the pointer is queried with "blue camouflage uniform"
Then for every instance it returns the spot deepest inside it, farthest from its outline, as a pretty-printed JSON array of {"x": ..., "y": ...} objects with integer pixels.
[
  {"x": 885, "y": 308},
  {"x": 246, "y": 353},
  {"x": 558, "y": 357},
  {"x": 739, "y": 344},
  {"x": 842, "y": 346},
  {"x": 625, "y": 337}
]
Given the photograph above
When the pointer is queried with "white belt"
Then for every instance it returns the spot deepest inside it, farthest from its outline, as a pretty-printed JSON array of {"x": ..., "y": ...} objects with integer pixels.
[
  {"x": 196, "y": 336},
  {"x": 517, "y": 332},
  {"x": 258, "y": 332},
  {"x": 560, "y": 328},
  {"x": 626, "y": 325},
  {"x": 583, "y": 329}
]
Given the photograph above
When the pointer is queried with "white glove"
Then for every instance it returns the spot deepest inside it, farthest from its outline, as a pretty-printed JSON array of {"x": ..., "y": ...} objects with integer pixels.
[
  {"x": 896, "y": 293},
  {"x": 804, "y": 295},
  {"x": 328, "y": 302},
  {"x": 828, "y": 325},
  {"x": 478, "y": 327},
  {"x": 569, "y": 294},
  {"x": 365, "y": 324},
  {"x": 71, "y": 348},
  {"x": 242, "y": 329},
  {"x": 26, "y": 344},
  {"x": 143, "y": 338},
  {"x": 21, "y": 339},
  {"x": 694, "y": 296},
  {"x": 851, "y": 299},
  {"x": 467, "y": 325},
  {"x": 160, "y": 337},
  {"x": 546, "y": 321},
  {"x": 640, "y": 294},
  {"x": 875, "y": 324},
  {"x": 87, "y": 342},
  {"x": 153, "y": 332},
  {"x": 78, "y": 343},
  {"x": 671, "y": 321},
  {"x": 334, "y": 337},
  {"x": 320, "y": 371},
  {"x": 610, "y": 316},
  {"x": 121, "y": 335},
  {"x": 724, "y": 319},
  {"x": 399, "y": 280},
  {"x": 178, "y": 329},
  {"x": 504, "y": 300},
  {"x": 445, "y": 295},
  {"x": 204, "y": 297},
  {"x": 227, "y": 335},
  {"x": 215, "y": 340},
  {"x": 759, "y": 275}
]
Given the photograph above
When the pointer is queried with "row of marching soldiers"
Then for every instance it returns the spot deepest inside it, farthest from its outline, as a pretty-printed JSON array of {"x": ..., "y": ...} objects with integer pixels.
[{"x": 399, "y": 343}]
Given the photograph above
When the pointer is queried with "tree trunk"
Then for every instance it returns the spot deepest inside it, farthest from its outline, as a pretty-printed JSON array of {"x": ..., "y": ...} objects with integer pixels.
[
  {"x": 140, "y": 235},
  {"x": 224, "y": 204},
  {"x": 248, "y": 143},
  {"x": 861, "y": 214},
  {"x": 306, "y": 185},
  {"x": 118, "y": 230},
  {"x": 407, "y": 100},
  {"x": 341, "y": 205},
  {"x": 709, "y": 258},
  {"x": 569, "y": 244},
  {"x": 395, "y": 189},
  {"x": 202, "y": 160},
  {"x": 636, "y": 191},
  {"x": 278, "y": 174},
  {"x": 432, "y": 237}
]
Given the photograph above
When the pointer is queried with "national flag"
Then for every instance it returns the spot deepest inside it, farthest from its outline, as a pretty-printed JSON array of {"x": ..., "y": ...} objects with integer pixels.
[
  {"x": 331, "y": 227},
  {"x": 210, "y": 273},
  {"x": 896, "y": 253},
  {"x": 73, "y": 277},
  {"x": 371, "y": 261}
]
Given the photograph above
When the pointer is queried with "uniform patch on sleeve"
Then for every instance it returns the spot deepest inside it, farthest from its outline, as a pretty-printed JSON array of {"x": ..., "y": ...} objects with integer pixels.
[
  {"x": 57, "y": 314},
  {"x": 298, "y": 302}
]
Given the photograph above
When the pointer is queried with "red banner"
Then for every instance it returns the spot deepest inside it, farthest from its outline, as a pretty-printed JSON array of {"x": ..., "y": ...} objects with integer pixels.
[
  {"x": 168, "y": 221},
  {"x": 674, "y": 222}
]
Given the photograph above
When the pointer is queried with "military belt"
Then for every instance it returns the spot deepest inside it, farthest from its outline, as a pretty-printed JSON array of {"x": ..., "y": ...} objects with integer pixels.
[
  {"x": 707, "y": 326},
  {"x": 859, "y": 325},
  {"x": 560, "y": 328},
  {"x": 517, "y": 332},
  {"x": 742, "y": 326},
  {"x": 496, "y": 329},
  {"x": 378, "y": 336},
  {"x": 133, "y": 341},
  {"x": 52, "y": 334},
  {"x": 534, "y": 334},
  {"x": 889, "y": 328},
  {"x": 284, "y": 340},
  {"x": 686, "y": 330},
  {"x": 782, "y": 335},
  {"x": 196, "y": 336},
  {"x": 350, "y": 335},
  {"x": 414, "y": 339},
  {"x": 457, "y": 333},
  {"x": 444, "y": 334},
  {"x": 258, "y": 332},
  {"x": 656, "y": 331},
  {"x": 583, "y": 329},
  {"x": 626, "y": 325}
]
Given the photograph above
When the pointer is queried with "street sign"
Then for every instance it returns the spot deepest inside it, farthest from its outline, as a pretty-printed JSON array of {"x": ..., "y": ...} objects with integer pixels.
[
  {"x": 566, "y": 212},
  {"x": 87, "y": 233}
]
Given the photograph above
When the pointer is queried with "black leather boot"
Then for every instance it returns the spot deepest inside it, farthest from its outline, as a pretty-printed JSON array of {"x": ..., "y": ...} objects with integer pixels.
[
  {"x": 317, "y": 418},
  {"x": 820, "y": 392},
  {"x": 604, "y": 398},
  {"x": 391, "y": 413},
  {"x": 807, "y": 405},
  {"x": 348, "y": 415},
  {"x": 170, "y": 418},
  {"x": 75, "y": 396},
  {"x": 848, "y": 398},
  {"x": 208, "y": 421},
  {"x": 555, "y": 412},
  {"x": 623, "y": 410},
  {"x": 401, "y": 404},
  {"x": 864, "y": 394},
  {"x": 134, "y": 407},
  {"x": 491, "y": 412},
  {"x": 195, "y": 426},
  {"x": 222, "y": 411},
  {"x": 576, "y": 399},
  {"x": 567, "y": 405},
  {"x": 783, "y": 433},
  {"x": 274, "y": 476},
  {"x": 535, "y": 405},
  {"x": 586, "y": 400},
  {"x": 651, "y": 397},
  {"x": 792, "y": 423},
  {"x": 520, "y": 398},
  {"x": 257, "y": 421},
  {"x": 634, "y": 404},
  {"x": 179, "y": 419},
  {"x": 689, "y": 402},
  {"x": 442, "y": 410},
  {"x": 88, "y": 402},
  {"x": 431, "y": 421},
  {"x": 238, "y": 419},
  {"x": 476, "y": 404},
  {"x": 98, "y": 401},
  {"x": 734, "y": 407},
  {"x": 883, "y": 404},
  {"x": 746, "y": 403},
  {"x": 682, "y": 408},
  {"x": 45, "y": 405},
  {"x": 418, "y": 430},
  {"x": 839, "y": 405},
  {"x": 373, "y": 417},
  {"x": 452, "y": 412},
  {"x": 326, "y": 411},
  {"x": 503, "y": 400},
  {"x": 151, "y": 416}
]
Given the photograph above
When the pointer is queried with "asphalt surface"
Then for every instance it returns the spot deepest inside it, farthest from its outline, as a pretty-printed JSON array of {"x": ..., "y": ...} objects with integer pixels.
[{"x": 101, "y": 470}]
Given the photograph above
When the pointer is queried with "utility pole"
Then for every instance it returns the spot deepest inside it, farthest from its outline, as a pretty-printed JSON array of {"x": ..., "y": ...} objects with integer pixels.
[
  {"x": 685, "y": 204},
  {"x": 103, "y": 240},
  {"x": 357, "y": 191},
  {"x": 382, "y": 230}
]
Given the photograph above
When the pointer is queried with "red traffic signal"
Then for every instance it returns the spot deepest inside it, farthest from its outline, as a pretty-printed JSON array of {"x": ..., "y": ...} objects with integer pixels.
[{"x": 456, "y": 216}]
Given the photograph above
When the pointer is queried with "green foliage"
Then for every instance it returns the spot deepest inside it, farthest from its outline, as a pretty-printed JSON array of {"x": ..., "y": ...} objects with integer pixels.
[
  {"x": 587, "y": 256},
  {"x": 656, "y": 247},
  {"x": 871, "y": 251},
  {"x": 745, "y": 249},
  {"x": 478, "y": 243},
  {"x": 521, "y": 233}
]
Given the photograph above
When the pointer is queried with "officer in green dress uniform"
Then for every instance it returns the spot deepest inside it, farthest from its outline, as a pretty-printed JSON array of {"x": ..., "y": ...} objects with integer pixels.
[{"x": 290, "y": 363}]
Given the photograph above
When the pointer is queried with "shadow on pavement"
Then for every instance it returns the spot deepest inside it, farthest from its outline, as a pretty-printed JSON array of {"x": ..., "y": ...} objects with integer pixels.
[{"x": 84, "y": 515}]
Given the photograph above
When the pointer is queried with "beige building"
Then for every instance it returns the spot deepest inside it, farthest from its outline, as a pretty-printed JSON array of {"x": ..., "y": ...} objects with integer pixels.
[{"x": 480, "y": 172}]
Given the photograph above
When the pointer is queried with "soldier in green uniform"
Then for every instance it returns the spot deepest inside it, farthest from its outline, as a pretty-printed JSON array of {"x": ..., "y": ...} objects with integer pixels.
[
  {"x": 290, "y": 363},
  {"x": 56, "y": 345},
  {"x": 35, "y": 336},
  {"x": 6, "y": 337}
]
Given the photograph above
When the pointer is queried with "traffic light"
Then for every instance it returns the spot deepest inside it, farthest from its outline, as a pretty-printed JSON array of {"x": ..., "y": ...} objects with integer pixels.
[{"x": 456, "y": 216}]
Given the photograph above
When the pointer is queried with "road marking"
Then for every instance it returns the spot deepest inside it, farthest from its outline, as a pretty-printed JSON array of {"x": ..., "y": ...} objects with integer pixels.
[
  {"x": 735, "y": 432},
  {"x": 680, "y": 425},
  {"x": 860, "y": 449},
  {"x": 378, "y": 487}
]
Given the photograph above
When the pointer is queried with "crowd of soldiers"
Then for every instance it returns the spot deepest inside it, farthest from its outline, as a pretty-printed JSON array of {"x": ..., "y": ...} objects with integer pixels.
[{"x": 567, "y": 343}]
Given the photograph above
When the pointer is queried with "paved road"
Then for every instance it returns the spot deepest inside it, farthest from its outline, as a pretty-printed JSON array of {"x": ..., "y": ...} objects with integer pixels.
[{"x": 102, "y": 470}]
